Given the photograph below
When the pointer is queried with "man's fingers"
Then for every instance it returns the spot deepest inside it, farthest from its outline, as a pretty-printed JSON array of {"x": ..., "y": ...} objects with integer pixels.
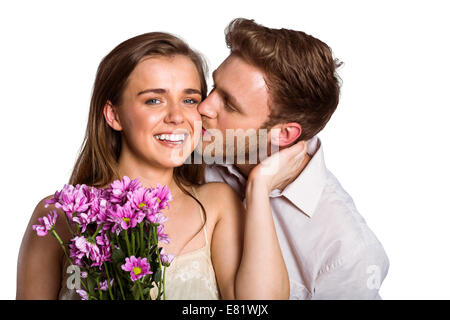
[{"x": 300, "y": 149}]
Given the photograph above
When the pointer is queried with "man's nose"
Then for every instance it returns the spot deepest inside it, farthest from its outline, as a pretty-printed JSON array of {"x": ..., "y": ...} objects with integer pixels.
[{"x": 210, "y": 106}]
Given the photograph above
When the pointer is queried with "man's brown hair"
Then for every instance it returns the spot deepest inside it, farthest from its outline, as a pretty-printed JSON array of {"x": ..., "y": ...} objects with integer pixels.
[{"x": 300, "y": 73}]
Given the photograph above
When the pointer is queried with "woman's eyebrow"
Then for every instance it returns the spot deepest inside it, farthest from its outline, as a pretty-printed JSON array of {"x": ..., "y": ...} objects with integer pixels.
[
  {"x": 192, "y": 91},
  {"x": 163, "y": 91},
  {"x": 157, "y": 90}
]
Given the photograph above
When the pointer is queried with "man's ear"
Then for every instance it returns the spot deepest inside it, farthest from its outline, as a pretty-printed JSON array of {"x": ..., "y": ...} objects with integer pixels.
[
  {"x": 112, "y": 116},
  {"x": 285, "y": 134}
]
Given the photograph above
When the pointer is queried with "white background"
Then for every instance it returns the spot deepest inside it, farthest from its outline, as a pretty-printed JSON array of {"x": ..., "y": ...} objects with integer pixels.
[{"x": 386, "y": 143}]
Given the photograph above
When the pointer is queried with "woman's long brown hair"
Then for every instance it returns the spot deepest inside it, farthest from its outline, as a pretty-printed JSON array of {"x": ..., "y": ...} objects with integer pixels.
[{"x": 97, "y": 163}]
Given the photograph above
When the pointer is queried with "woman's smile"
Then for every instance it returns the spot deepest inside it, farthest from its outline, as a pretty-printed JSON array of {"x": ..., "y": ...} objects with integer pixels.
[{"x": 172, "y": 140}]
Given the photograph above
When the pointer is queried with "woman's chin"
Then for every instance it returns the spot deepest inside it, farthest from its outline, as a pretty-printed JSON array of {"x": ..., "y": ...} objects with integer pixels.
[
  {"x": 172, "y": 163},
  {"x": 174, "y": 160},
  {"x": 175, "y": 157}
]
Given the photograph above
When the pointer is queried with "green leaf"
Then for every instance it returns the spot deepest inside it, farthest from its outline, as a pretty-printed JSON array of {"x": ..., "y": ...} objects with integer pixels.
[
  {"x": 135, "y": 291},
  {"x": 94, "y": 274},
  {"x": 91, "y": 282},
  {"x": 145, "y": 292},
  {"x": 118, "y": 256},
  {"x": 157, "y": 276}
]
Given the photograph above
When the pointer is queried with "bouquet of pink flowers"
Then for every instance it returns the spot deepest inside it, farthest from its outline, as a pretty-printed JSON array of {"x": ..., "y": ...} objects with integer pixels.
[{"x": 116, "y": 232}]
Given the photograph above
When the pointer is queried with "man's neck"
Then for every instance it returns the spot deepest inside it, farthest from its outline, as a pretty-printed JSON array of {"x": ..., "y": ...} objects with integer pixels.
[
  {"x": 303, "y": 165},
  {"x": 245, "y": 169}
]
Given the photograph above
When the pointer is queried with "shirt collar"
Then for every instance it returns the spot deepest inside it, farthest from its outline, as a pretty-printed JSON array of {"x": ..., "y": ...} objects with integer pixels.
[{"x": 305, "y": 191}]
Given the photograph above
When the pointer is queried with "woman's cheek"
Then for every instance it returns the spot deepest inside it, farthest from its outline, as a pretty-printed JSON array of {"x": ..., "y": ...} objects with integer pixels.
[{"x": 149, "y": 121}]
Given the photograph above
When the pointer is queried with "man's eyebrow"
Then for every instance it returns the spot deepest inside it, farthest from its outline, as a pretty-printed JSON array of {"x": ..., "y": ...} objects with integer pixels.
[
  {"x": 163, "y": 91},
  {"x": 225, "y": 94}
]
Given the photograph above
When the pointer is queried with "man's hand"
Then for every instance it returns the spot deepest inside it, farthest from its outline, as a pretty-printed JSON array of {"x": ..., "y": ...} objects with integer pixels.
[{"x": 281, "y": 168}]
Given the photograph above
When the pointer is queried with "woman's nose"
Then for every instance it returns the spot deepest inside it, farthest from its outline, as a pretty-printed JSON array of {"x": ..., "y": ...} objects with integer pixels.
[{"x": 174, "y": 114}]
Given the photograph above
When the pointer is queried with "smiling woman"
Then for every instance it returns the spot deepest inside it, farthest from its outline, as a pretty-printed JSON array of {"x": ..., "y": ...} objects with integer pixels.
[
  {"x": 144, "y": 123},
  {"x": 121, "y": 80},
  {"x": 158, "y": 111}
]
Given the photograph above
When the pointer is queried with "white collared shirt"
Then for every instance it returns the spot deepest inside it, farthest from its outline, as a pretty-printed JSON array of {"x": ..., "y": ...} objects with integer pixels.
[{"x": 329, "y": 250}]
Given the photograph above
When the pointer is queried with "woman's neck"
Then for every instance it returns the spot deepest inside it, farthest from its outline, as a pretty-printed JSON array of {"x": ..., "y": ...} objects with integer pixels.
[{"x": 149, "y": 175}]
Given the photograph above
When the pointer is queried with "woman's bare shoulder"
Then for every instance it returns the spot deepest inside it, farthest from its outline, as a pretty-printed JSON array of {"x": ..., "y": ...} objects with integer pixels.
[
  {"x": 42, "y": 210},
  {"x": 39, "y": 261},
  {"x": 220, "y": 196},
  {"x": 40, "y": 207},
  {"x": 215, "y": 190}
]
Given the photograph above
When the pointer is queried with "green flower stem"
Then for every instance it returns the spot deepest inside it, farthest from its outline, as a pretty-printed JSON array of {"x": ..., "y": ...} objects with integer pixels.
[
  {"x": 155, "y": 237},
  {"x": 55, "y": 234},
  {"x": 141, "y": 245},
  {"x": 109, "y": 282},
  {"x": 140, "y": 290},
  {"x": 164, "y": 283},
  {"x": 128, "y": 242},
  {"x": 84, "y": 285},
  {"x": 120, "y": 283},
  {"x": 62, "y": 245},
  {"x": 156, "y": 243},
  {"x": 99, "y": 290},
  {"x": 68, "y": 224},
  {"x": 117, "y": 239},
  {"x": 133, "y": 243},
  {"x": 97, "y": 231},
  {"x": 150, "y": 237}
]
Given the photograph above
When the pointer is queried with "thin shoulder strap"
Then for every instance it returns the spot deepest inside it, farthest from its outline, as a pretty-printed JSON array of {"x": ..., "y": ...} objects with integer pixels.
[{"x": 201, "y": 215}]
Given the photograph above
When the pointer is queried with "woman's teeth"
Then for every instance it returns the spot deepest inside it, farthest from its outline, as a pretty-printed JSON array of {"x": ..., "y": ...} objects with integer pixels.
[{"x": 173, "y": 138}]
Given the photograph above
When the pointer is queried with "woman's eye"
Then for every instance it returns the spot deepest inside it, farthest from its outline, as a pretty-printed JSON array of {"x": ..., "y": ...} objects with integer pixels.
[
  {"x": 190, "y": 101},
  {"x": 153, "y": 101}
]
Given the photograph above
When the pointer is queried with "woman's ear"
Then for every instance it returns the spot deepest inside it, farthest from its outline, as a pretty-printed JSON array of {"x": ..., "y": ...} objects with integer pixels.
[
  {"x": 285, "y": 134},
  {"x": 112, "y": 116}
]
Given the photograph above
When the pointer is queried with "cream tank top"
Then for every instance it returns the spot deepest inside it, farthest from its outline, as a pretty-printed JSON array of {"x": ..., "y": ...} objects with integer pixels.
[{"x": 190, "y": 276}]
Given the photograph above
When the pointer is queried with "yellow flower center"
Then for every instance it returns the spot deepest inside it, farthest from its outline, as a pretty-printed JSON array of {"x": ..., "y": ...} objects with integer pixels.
[
  {"x": 137, "y": 271},
  {"x": 159, "y": 200},
  {"x": 141, "y": 205},
  {"x": 127, "y": 220}
]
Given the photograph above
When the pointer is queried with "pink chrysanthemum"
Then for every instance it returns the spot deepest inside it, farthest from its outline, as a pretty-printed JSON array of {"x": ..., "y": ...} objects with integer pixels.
[
  {"x": 81, "y": 247},
  {"x": 160, "y": 197},
  {"x": 166, "y": 259},
  {"x": 162, "y": 237},
  {"x": 104, "y": 285},
  {"x": 46, "y": 223},
  {"x": 125, "y": 217},
  {"x": 71, "y": 199},
  {"x": 138, "y": 267},
  {"x": 157, "y": 218},
  {"x": 83, "y": 294},
  {"x": 119, "y": 189},
  {"x": 164, "y": 196},
  {"x": 104, "y": 247},
  {"x": 97, "y": 253},
  {"x": 141, "y": 199}
]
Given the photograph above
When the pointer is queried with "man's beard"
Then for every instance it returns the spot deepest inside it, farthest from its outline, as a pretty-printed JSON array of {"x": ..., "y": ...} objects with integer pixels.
[{"x": 237, "y": 147}]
